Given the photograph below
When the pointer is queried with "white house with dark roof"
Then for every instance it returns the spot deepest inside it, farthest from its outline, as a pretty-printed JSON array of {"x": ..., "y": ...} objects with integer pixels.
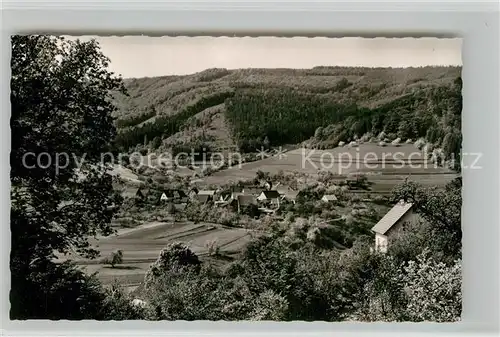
[
  {"x": 272, "y": 197},
  {"x": 389, "y": 226}
]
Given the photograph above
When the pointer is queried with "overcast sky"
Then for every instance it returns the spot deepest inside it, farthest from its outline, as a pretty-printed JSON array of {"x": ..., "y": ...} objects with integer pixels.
[{"x": 138, "y": 56}]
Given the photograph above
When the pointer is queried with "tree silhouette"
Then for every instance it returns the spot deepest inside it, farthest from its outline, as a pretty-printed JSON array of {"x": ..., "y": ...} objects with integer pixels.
[{"x": 60, "y": 105}]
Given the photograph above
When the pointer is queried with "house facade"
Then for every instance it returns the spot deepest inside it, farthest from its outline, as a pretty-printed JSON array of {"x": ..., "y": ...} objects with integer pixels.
[
  {"x": 392, "y": 224},
  {"x": 272, "y": 197}
]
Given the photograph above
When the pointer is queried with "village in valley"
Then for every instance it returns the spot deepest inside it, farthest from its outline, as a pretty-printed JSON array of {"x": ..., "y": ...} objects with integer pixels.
[
  {"x": 302, "y": 193},
  {"x": 217, "y": 220}
]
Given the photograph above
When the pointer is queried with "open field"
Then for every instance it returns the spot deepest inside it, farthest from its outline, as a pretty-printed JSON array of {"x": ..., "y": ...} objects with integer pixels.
[
  {"x": 141, "y": 246},
  {"x": 384, "y": 166}
]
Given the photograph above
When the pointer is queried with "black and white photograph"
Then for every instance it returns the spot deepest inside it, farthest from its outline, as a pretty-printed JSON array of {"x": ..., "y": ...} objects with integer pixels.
[{"x": 236, "y": 178}]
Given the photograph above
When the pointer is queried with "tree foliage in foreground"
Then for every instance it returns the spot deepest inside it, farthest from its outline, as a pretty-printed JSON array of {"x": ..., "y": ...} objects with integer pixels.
[
  {"x": 60, "y": 104},
  {"x": 285, "y": 275}
]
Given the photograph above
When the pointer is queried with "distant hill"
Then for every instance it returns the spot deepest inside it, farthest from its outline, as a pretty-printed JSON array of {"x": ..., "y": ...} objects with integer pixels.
[{"x": 250, "y": 108}]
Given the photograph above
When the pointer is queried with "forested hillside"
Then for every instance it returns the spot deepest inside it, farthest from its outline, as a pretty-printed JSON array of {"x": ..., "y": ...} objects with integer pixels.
[{"x": 273, "y": 107}]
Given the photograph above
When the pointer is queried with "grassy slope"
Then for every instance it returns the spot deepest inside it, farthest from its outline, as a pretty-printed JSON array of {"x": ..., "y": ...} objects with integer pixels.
[{"x": 369, "y": 87}]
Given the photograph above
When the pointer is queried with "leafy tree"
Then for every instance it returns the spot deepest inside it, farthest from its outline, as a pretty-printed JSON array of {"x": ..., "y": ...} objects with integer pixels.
[
  {"x": 251, "y": 210},
  {"x": 60, "y": 95},
  {"x": 117, "y": 305},
  {"x": 174, "y": 257},
  {"x": 442, "y": 208},
  {"x": 434, "y": 290},
  {"x": 115, "y": 258},
  {"x": 156, "y": 142},
  {"x": 318, "y": 134}
]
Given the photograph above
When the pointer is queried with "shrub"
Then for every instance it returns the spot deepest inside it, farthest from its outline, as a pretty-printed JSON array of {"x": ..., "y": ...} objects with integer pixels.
[
  {"x": 115, "y": 258},
  {"x": 213, "y": 249},
  {"x": 396, "y": 141},
  {"x": 419, "y": 144},
  {"x": 433, "y": 289},
  {"x": 118, "y": 305}
]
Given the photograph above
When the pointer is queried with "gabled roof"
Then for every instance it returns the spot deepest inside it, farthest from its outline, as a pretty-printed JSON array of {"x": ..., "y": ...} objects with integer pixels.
[
  {"x": 131, "y": 192},
  {"x": 252, "y": 191},
  {"x": 289, "y": 194},
  {"x": 180, "y": 194},
  {"x": 168, "y": 194},
  {"x": 329, "y": 197},
  {"x": 206, "y": 192},
  {"x": 271, "y": 194},
  {"x": 392, "y": 217},
  {"x": 174, "y": 194},
  {"x": 225, "y": 195}
]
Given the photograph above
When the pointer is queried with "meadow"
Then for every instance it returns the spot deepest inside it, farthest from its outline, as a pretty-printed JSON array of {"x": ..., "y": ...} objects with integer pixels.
[{"x": 393, "y": 164}]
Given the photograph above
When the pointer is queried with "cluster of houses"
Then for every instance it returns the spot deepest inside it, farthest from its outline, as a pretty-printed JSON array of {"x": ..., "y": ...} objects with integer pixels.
[
  {"x": 388, "y": 228},
  {"x": 237, "y": 196}
]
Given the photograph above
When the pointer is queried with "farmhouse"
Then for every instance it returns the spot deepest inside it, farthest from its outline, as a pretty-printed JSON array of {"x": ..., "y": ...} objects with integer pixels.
[
  {"x": 272, "y": 197},
  {"x": 391, "y": 224},
  {"x": 329, "y": 198}
]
